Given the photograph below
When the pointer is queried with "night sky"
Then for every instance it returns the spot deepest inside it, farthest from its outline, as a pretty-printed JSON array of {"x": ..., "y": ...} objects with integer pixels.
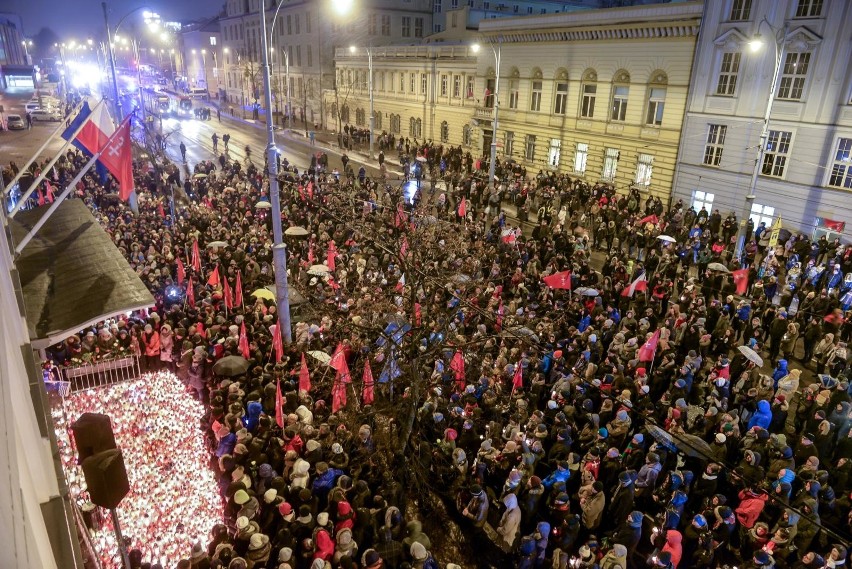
[{"x": 79, "y": 19}]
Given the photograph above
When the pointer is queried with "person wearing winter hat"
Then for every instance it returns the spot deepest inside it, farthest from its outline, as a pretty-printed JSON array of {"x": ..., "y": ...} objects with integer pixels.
[
  {"x": 418, "y": 553},
  {"x": 371, "y": 559},
  {"x": 258, "y": 551}
]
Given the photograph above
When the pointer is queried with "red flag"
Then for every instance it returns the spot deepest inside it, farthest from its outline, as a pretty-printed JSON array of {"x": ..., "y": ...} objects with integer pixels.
[
  {"x": 41, "y": 200},
  {"x": 117, "y": 156},
  {"x": 311, "y": 190},
  {"x": 330, "y": 255},
  {"x": 181, "y": 271},
  {"x": 238, "y": 291},
  {"x": 190, "y": 293},
  {"x": 400, "y": 284},
  {"x": 196, "y": 257},
  {"x": 649, "y": 348},
  {"x": 338, "y": 360},
  {"x": 641, "y": 283},
  {"x": 302, "y": 192},
  {"x": 457, "y": 365},
  {"x": 244, "y": 343},
  {"x": 277, "y": 344},
  {"x": 311, "y": 256},
  {"x": 368, "y": 384},
  {"x": 462, "y": 211},
  {"x": 510, "y": 238},
  {"x": 649, "y": 219},
  {"x": 399, "y": 220},
  {"x": 228, "y": 294},
  {"x": 338, "y": 395},
  {"x": 403, "y": 248},
  {"x": 214, "y": 277},
  {"x": 49, "y": 190},
  {"x": 741, "y": 280},
  {"x": 279, "y": 405},
  {"x": 562, "y": 280},
  {"x": 418, "y": 314},
  {"x": 160, "y": 211},
  {"x": 518, "y": 378},
  {"x": 304, "y": 377}
]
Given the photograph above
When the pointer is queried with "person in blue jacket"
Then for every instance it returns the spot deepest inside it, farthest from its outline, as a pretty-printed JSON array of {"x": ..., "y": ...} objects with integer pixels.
[
  {"x": 762, "y": 417},
  {"x": 561, "y": 474}
]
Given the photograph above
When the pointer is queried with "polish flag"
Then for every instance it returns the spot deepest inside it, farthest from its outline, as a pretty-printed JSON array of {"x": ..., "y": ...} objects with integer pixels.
[
  {"x": 457, "y": 365},
  {"x": 400, "y": 284},
  {"x": 641, "y": 284},
  {"x": 518, "y": 377},
  {"x": 97, "y": 130},
  {"x": 196, "y": 257},
  {"x": 277, "y": 343},
  {"x": 228, "y": 294}
]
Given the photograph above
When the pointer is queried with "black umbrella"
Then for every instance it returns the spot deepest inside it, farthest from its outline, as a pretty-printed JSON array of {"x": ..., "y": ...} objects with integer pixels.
[{"x": 230, "y": 366}]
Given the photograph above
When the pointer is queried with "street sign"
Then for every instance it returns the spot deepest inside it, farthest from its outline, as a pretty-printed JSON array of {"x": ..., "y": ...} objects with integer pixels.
[{"x": 775, "y": 233}]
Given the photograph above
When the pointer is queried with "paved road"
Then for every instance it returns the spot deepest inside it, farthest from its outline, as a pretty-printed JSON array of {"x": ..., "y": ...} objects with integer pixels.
[{"x": 19, "y": 145}]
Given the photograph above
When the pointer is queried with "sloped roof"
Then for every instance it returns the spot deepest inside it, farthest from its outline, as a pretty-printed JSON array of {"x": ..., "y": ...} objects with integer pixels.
[{"x": 71, "y": 274}]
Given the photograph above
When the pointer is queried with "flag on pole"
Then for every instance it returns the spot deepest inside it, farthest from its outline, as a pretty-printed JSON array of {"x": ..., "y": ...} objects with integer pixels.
[
  {"x": 457, "y": 365},
  {"x": 368, "y": 395},
  {"x": 96, "y": 131},
  {"x": 400, "y": 284},
  {"x": 304, "y": 377},
  {"x": 562, "y": 280},
  {"x": 181, "y": 271},
  {"x": 238, "y": 291},
  {"x": 418, "y": 314},
  {"x": 338, "y": 360},
  {"x": 462, "y": 211},
  {"x": 117, "y": 156},
  {"x": 277, "y": 343},
  {"x": 640, "y": 284},
  {"x": 190, "y": 293},
  {"x": 399, "y": 220},
  {"x": 740, "y": 280},
  {"x": 518, "y": 377},
  {"x": 649, "y": 219},
  {"x": 214, "y": 280},
  {"x": 331, "y": 254},
  {"x": 279, "y": 405},
  {"x": 228, "y": 293},
  {"x": 649, "y": 348},
  {"x": 338, "y": 395},
  {"x": 403, "y": 248},
  {"x": 49, "y": 191},
  {"x": 196, "y": 257},
  {"x": 244, "y": 343},
  {"x": 391, "y": 370}
]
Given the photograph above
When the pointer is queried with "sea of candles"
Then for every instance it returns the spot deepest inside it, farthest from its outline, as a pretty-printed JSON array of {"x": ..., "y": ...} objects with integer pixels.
[{"x": 174, "y": 500}]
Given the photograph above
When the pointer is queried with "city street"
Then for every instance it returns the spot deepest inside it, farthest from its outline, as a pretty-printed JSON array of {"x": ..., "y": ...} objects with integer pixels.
[{"x": 19, "y": 145}]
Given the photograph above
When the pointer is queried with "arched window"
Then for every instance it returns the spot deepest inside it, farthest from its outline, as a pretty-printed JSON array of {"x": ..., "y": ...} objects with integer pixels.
[
  {"x": 445, "y": 131},
  {"x": 415, "y": 127},
  {"x": 359, "y": 117},
  {"x": 536, "y": 88},
  {"x": 344, "y": 113},
  {"x": 560, "y": 92},
  {"x": 656, "y": 98},
  {"x": 620, "y": 94},
  {"x": 466, "y": 135},
  {"x": 589, "y": 94},
  {"x": 395, "y": 126},
  {"x": 377, "y": 120}
]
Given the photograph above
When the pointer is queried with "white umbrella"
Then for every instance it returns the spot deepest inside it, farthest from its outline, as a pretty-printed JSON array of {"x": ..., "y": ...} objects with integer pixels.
[
  {"x": 667, "y": 238},
  {"x": 320, "y": 356},
  {"x": 751, "y": 355},
  {"x": 318, "y": 270},
  {"x": 216, "y": 244},
  {"x": 421, "y": 159},
  {"x": 263, "y": 205},
  {"x": 297, "y": 231}
]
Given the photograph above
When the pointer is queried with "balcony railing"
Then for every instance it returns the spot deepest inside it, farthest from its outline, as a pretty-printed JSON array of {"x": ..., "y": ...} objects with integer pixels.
[
  {"x": 484, "y": 113},
  {"x": 96, "y": 374}
]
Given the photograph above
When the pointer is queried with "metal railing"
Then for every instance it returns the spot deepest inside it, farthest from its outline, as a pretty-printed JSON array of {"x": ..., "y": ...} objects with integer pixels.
[{"x": 98, "y": 374}]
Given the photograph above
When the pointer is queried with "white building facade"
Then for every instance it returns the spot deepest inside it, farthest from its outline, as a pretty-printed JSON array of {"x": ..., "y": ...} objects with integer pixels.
[{"x": 805, "y": 174}]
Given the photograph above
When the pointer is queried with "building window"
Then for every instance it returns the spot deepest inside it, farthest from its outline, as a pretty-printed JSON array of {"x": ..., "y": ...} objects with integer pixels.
[
  {"x": 581, "y": 156},
  {"x": 454, "y": 4},
  {"x": 381, "y": 81},
  {"x": 308, "y": 22},
  {"x": 554, "y": 153},
  {"x": 386, "y": 25},
  {"x": 762, "y": 214},
  {"x": 289, "y": 25},
  {"x": 395, "y": 124},
  {"x": 561, "y": 99},
  {"x": 444, "y": 85},
  {"x": 535, "y": 96},
  {"x": 455, "y": 21},
  {"x": 715, "y": 144},
  {"x": 412, "y": 83},
  {"x": 644, "y": 169},
  {"x": 414, "y": 127},
  {"x": 610, "y": 165},
  {"x": 298, "y": 56},
  {"x": 423, "y": 84},
  {"x": 406, "y": 26},
  {"x": 436, "y": 28},
  {"x": 513, "y": 93},
  {"x": 310, "y": 56},
  {"x": 470, "y": 81},
  {"x": 377, "y": 120},
  {"x": 466, "y": 135},
  {"x": 776, "y": 153},
  {"x": 418, "y": 27},
  {"x": 793, "y": 76},
  {"x": 402, "y": 82},
  {"x": 589, "y": 96},
  {"x": 656, "y": 105},
  {"x": 702, "y": 200},
  {"x": 740, "y": 10},
  {"x": 509, "y": 143},
  {"x": 619, "y": 103},
  {"x": 841, "y": 167},
  {"x": 212, "y": 40},
  {"x": 344, "y": 113},
  {"x": 437, "y": 5},
  {"x": 457, "y": 86},
  {"x": 445, "y": 131},
  {"x": 809, "y": 8},
  {"x": 529, "y": 153},
  {"x": 298, "y": 23},
  {"x": 359, "y": 117},
  {"x": 728, "y": 72}
]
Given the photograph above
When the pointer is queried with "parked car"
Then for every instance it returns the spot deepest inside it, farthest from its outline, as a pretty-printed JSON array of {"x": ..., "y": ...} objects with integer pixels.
[
  {"x": 15, "y": 122},
  {"x": 46, "y": 115},
  {"x": 198, "y": 93}
]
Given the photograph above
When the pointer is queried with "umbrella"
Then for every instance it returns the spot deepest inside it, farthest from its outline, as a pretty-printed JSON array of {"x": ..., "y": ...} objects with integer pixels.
[
  {"x": 460, "y": 278},
  {"x": 216, "y": 245},
  {"x": 421, "y": 159},
  {"x": 666, "y": 238},
  {"x": 718, "y": 267},
  {"x": 320, "y": 356},
  {"x": 231, "y": 366},
  {"x": 689, "y": 445},
  {"x": 515, "y": 332},
  {"x": 318, "y": 270},
  {"x": 199, "y": 176},
  {"x": 296, "y": 297},
  {"x": 264, "y": 294},
  {"x": 586, "y": 291},
  {"x": 263, "y": 205},
  {"x": 751, "y": 355},
  {"x": 297, "y": 231},
  {"x": 230, "y": 189}
]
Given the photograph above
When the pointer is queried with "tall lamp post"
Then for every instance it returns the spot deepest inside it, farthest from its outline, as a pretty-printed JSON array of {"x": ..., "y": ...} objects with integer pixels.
[
  {"x": 279, "y": 250},
  {"x": 779, "y": 37},
  {"x": 369, "y": 51},
  {"x": 110, "y": 45},
  {"x": 497, "y": 55}
]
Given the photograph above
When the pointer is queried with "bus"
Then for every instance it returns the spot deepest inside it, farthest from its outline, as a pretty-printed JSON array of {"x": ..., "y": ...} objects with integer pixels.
[
  {"x": 185, "y": 107},
  {"x": 163, "y": 104}
]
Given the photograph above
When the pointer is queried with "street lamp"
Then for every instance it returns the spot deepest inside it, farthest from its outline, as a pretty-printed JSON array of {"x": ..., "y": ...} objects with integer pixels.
[
  {"x": 204, "y": 68},
  {"x": 149, "y": 16},
  {"x": 353, "y": 49},
  {"x": 27, "y": 44},
  {"x": 755, "y": 45},
  {"x": 279, "y": 250},
  {"x": 497, "y": 55}
]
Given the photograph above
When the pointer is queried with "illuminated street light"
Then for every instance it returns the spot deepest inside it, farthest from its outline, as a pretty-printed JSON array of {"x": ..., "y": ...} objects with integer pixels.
[
  {"x": 343, "y": 7},
  {"x": 756, "y": 44}
]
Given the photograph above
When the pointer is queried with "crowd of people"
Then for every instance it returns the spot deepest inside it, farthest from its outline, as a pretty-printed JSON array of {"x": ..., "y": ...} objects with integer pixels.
[{"x": 608, "y": 421}]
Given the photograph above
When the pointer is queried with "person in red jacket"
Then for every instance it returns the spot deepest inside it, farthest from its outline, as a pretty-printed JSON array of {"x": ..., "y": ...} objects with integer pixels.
[
  {"x": 673, "y": 546},
  {"x": 751, "y": 505},
  {"x": 151, "y": 338}
]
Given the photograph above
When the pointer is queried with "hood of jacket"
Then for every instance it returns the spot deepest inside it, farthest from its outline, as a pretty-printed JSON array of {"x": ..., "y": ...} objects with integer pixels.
[
  {"x": 510, "y": 501},
  {"x": 763, "y": 406},
  {"x": 673, "y": 537}
]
